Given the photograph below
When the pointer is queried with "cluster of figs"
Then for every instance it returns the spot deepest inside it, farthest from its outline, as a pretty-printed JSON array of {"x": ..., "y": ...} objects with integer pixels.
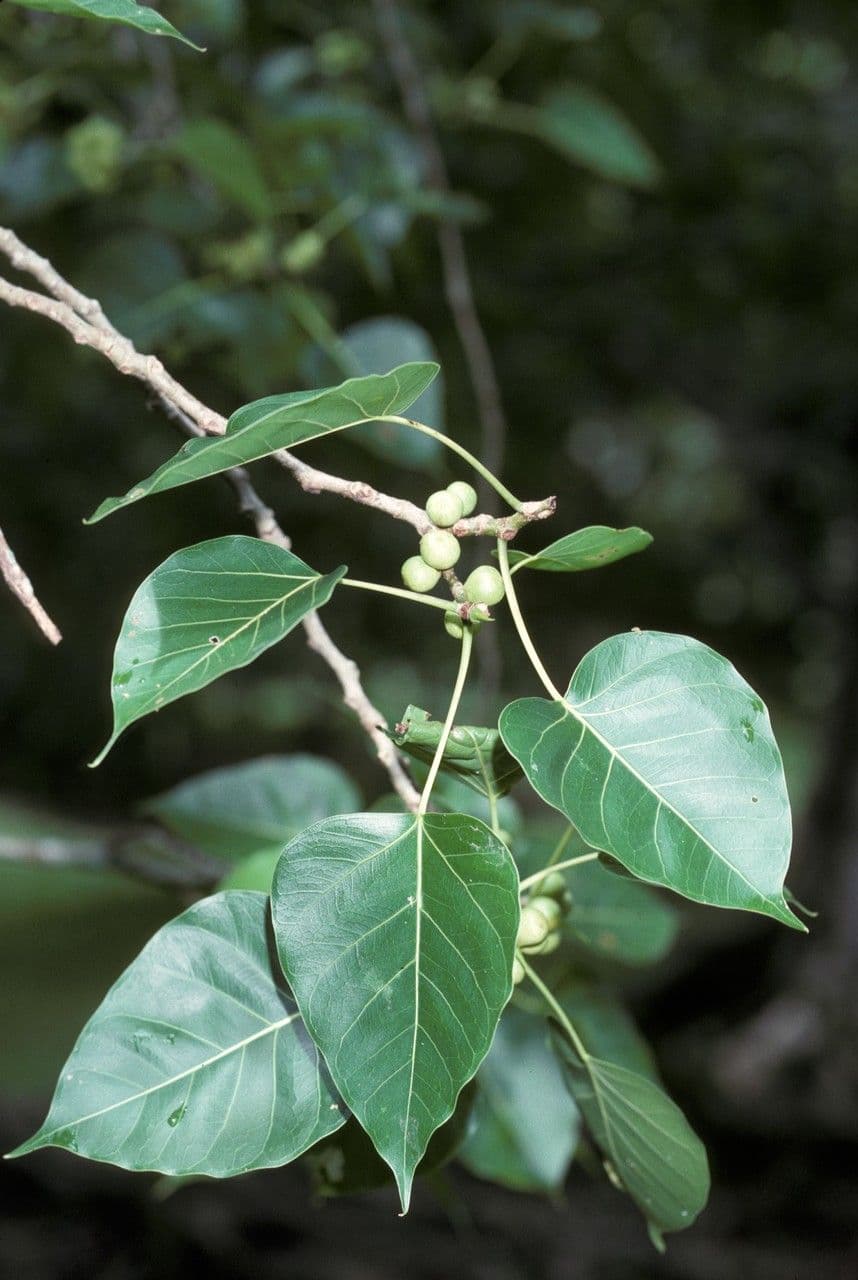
[{"x": 440, "y": 550}]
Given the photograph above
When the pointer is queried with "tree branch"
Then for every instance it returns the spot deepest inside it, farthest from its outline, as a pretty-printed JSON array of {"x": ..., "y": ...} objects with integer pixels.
[
  {"x": 196, "y": 419},
  {"x": 21, "y": 586}
]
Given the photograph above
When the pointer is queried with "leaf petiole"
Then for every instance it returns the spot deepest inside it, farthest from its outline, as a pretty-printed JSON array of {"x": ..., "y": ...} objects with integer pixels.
[
  {"x": 433, "y": 601},
  {"x": 520, "y": 626},
  {"x": 556, "y": 1008},
  {"x": 464, "y": 453},
  {"x": 557, "y": 866},
  {"x": 461, "y": 676}
]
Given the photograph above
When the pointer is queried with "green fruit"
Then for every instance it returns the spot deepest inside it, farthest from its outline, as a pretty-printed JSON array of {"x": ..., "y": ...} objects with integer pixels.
[
  {"x": 466, "y": 493},
  {"x": 443, "y": 508},
  {"x": 440, "y": 549},
  {"x": 546, "y": 946},
  {"x": 517, "y": 972},
  {"x": 418, "y": 575},
  {"x": 484, "y": 585},
  {"x": 553, "y": 886},
  {"x": 533, "y": 928},
  {"x": 549, "y": 908}
]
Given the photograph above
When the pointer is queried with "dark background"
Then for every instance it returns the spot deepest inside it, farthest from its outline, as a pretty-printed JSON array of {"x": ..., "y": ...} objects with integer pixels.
[{"x": 674, "y": 323}]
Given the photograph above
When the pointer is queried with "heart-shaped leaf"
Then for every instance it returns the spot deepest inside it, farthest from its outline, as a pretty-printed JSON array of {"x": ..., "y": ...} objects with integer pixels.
[
  {"x": 206, "y": 610},
  {"x": 474, "y": 753},
  {"x": 589, "y": 548},
  {"x": 397, "y": 935},
  {"x": 524, "y": 1126},
  {"x": 281, "y": 422},
  {"x": 253, "y": 806},
  {"x": 663, "y": 756},
  {"x": 125, "y": 11},
  {"x": 197, "y": 1060}
]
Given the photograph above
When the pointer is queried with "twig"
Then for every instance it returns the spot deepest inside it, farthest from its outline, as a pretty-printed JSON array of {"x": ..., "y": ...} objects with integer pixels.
[
  {"x": 196, "y": 418},
  {"x": 143, "y": 850},
  {"x": 21, "y": 586}
]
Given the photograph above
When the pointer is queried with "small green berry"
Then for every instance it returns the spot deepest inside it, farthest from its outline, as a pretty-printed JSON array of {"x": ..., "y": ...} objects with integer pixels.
[
  {"x": 553, "y": 886},
  {"x": 443, "y": 508},
  {"x": 549, "y": 908},
  {"x": 533, "y": 928},
  {"x": 546, "y": 946},
  {"x": 517, "y": 972},
  {"x": 484, "y": 585},
  {"x": 466, "y": 493},
  {"x": 418, "y": 575},
  {"x": 440, "y": 549}
]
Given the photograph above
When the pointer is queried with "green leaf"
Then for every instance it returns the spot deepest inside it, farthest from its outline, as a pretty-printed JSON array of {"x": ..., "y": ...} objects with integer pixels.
[
  {"x": 221, "y": 154},
  {"x": 585, "y": 549},
  {"x": 348, "y": 1163},
  {"x": 588, "y": 129},
  {"x": 651, "y": 1149},
  {"x": 524, "y": 1126},
  {"x": 473, "y": 753},
  {"x": 281, "y": 422},
  {"x": 255, "y": 806},
  {"x": 664, "y": 757},
  {"x": 124, "y": 11},
  {"x": 197, "y": 1060},
  {"x": 618, "y": 919},
  {"x": 371, "y": 345},
  {"x": 206, "y": 610},
  {"x": 397, "y": 934}
]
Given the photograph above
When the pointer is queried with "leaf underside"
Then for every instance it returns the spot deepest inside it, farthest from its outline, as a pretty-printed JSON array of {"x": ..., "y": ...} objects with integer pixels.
[
  {"x": 281, "y": 422},
  {"x": 397, "y": 934},
  {"x": 206, "y": 610},
  {"x": 197, "y": 1061},
  {"x": 525, "y": 1126},
  {"x": 663, "y": 756}
]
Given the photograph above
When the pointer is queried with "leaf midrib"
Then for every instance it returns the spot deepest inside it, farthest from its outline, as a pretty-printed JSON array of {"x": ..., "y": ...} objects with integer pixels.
[{"x": 614, "y": 752}]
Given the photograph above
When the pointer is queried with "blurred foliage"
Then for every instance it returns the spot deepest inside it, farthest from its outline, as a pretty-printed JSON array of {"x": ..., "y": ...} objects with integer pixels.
[{"x": 660, "y": 206}]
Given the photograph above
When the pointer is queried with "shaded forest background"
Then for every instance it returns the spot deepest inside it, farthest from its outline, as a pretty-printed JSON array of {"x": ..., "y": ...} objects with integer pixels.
[{"x": 660, "y": 208}]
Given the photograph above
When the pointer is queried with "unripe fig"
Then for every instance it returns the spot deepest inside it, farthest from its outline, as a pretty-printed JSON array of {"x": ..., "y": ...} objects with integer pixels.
[
  {"x": 418, "y": 575},
  {"x": 545, "y": 948},
  {"x": 549, "y": 908},
  {"x": 553, "y": 886},
  {"x": 533, "y": 928},
  {"x": 440, "y": 549},
  {"x": 517, "y": 972},
  {"x": 485, "y": 585},
  {"x": 443, "y": 508},
  {"x": 467, "y": 495}
]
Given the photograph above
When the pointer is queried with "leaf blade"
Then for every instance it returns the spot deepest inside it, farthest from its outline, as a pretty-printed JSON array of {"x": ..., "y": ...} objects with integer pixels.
[
  {"x": 211, "y": 633},
  {"x": 282, "y": 422},
  {"x": 589, "y": 548},
  {"x": 615, "y": 791},
  {"x": 199, "y": 1026},
  {"x": 127, "y": 12},
  {"x": 403, "y": 1015}
]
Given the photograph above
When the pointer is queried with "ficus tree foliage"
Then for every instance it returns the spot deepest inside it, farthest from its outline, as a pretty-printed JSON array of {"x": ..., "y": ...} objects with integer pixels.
[
  {"x": 379, "y": 991},
  {"x": 362, "y": 976}
]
